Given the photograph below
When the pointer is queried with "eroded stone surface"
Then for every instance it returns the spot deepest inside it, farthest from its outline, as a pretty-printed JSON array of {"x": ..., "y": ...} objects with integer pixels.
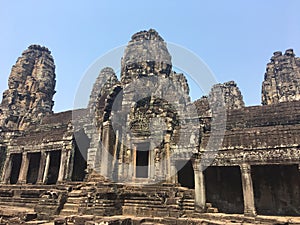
[
  {"x": 282, "y": 78},
  {"x": 31, "y": 89},
  {"x": 145, "y": 55}
]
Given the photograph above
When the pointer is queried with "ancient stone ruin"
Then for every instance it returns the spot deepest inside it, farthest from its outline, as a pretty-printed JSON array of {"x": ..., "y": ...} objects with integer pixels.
[{"x": 142, "y": 152}]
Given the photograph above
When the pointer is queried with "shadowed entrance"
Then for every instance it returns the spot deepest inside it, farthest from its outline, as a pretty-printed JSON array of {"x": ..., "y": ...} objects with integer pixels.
[
  {"x": 16, "y": 160},
  {"x": 33, "y": 169}
]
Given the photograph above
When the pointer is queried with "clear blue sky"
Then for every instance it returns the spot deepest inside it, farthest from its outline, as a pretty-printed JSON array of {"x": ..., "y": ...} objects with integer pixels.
[{"x": 235, "y": 38}]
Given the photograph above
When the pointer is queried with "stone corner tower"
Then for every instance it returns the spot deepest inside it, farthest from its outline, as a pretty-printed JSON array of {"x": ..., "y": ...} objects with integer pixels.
[
  {"x": 31, "y": 87},
  {"x": 282, "y": 78}
]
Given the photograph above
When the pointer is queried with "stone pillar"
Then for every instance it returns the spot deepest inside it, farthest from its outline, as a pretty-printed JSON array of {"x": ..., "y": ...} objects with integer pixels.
[
  {"x": 105, "y": 151},
  {"x": 47, "y": 165},
  {"x": 24, "y": 168},
  {"x": 7, "y": 170},
  {"x": 134, "y": 162},
  {"x": 62, "y": 167},
  {"x": 121, "y": 160},
  {"x": 41, "y": 168},
  {"x": 168, "y": 162},
  {"x": 68, "y": 170},
  {"x": 174, "y": 178},
  {"x": 249, "y": 206},
  {"x": 200, "y": 194},
  {"x": 115, "y": 157}
]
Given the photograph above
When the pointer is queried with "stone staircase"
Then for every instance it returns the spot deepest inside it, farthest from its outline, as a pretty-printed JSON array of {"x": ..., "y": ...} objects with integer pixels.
[
  {"x": 158, "y": 201},
  {"x": 96, "y": 196},
  {"x": 29, "y": 202},
  {"x": 20, "y": 195},
  {"x": 101, "y": 198},
  {"x": 74, "y": 200}
]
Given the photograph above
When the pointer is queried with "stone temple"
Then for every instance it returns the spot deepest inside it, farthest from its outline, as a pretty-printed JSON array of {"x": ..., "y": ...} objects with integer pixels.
[{"x": 142, "y": 152}]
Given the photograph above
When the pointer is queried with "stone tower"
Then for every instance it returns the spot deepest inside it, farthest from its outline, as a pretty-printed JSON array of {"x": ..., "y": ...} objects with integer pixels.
[
  {"x": 233, "y": 98},
  {"x": 30, "y": 91},
  {"x": 231, "y": 93},
  {"x": 282, "y": 79},
  {"x": 146, "y": 54}
]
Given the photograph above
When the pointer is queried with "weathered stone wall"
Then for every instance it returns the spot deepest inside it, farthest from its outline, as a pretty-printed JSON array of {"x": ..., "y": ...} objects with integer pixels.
[
  {"x": 261, "y": 127},
  {"x": 30, "y": 89},
  {"x": 282, "y": 79}
]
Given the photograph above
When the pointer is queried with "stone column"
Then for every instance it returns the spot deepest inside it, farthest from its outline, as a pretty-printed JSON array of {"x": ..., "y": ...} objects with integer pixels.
[
  {"x": 200, "y": 194},
  {"x": 47, "y": 165},
  {"x": 249, "y": 206},
  {"x": 62, "y": 167},
  {"x": 41, "y": 168},
  {"x": 121, "y": 160},
  {"x": 68, "y": 164},
  {"x": 105, "y": 159},
  {"x": 7, "y": 170},
  {"x": 168, "y": 162},
  {"x": 174, "y": 178},
  {"x": 134, "y": 162},
  {"x": 115, "y": 157},
  {"x": 24, "y": 168}
]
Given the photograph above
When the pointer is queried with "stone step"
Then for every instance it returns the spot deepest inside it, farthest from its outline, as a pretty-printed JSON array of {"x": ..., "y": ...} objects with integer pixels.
[
  {"x": 71, "y": 206},
  {"x": 142, "y": 201},
  {"x": 38, "y": 222},
  {"x": 75, "y": 193},
  {"x": 68, "y": 213},
  {"x": 150, "y": 223},
  {"x": 75, "y": 200},
  {"x": 208, "y": 205},
  {"x": 19, "y": 199},
  {"x": 190, "y": 203},
  {"x": 212, "y": 210},
  {"x": 19, "y": 204}
]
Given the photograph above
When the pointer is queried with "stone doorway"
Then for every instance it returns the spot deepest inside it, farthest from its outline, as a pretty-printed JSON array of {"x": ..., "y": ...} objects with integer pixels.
[
  {"x": 224, "y": 188},
  {"x": 79, "y": 166},
  {"x": 53, "y": 167},
  {"x": 276, "y": 189},
  {"x": 33, "y": 169},
  {"x": 16, "y": 160},
  {"x": 142, "y": 160},
  {"x": 185, "y": 174}
]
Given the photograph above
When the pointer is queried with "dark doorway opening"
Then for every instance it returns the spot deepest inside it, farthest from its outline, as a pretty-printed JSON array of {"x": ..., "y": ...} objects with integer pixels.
[
  {"x": 224, "y": 188},
  {"x": 80, "y": 156},
  {"x": 276, "y": 189},
  {"x": 185, "y": 174},
  {"x": 33, "y": 168},
  {"x": 142, "y": 160},
  {"x": 16, "y": 160},
  {"x": 80, "y": 165},
  {"x": 53, "y": 167},
  {"x": 3, "y": 154}
]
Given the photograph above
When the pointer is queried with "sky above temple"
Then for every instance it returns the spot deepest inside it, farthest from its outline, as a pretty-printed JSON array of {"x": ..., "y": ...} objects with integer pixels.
[{"x": 236, "y": 39}]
